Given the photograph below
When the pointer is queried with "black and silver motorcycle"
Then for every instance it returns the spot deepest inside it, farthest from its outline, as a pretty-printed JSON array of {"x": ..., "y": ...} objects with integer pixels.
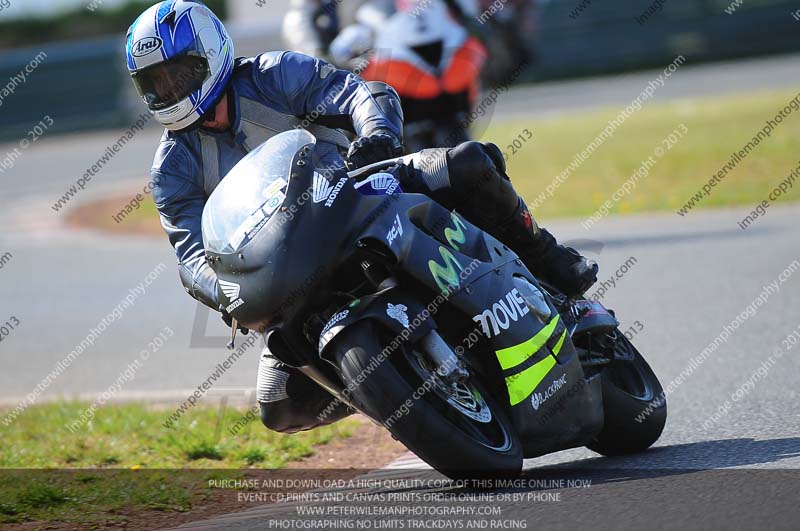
[{"x": 420, "y": 320}]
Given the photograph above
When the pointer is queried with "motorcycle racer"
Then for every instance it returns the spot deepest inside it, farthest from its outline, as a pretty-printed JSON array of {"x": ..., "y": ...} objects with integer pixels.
[
  {"x": 216, "y": 108},
  {"x": 428, "y": 57},
  {"x": 507, "y": 29}
]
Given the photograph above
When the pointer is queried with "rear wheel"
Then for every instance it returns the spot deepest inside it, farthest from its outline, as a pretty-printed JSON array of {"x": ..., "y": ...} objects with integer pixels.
[
  {"x": 459, "y": 430},
  {"x": 634, "y": 404}
]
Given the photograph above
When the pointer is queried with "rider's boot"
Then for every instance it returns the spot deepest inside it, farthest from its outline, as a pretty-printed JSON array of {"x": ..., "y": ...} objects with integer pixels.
[
  {"x": 488, "y": 196},
  {"x": 559, "y": 266},
  {"x": 472, "y": 179}
]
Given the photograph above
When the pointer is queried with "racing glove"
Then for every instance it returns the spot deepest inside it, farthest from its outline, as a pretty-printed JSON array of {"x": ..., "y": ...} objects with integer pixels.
[{"x": 378, "y": 146}]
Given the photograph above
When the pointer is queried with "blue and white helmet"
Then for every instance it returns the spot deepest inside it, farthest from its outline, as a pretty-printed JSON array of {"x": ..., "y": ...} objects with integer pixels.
[{"x": 180, "y": 58}]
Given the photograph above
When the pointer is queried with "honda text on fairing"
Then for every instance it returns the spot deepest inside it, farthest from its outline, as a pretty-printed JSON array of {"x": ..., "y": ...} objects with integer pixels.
[{"x": 410, "y": 314}]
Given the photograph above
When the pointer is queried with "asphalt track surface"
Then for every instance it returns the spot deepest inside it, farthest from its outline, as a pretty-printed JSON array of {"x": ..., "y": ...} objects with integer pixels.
[{"x": 693, "y": 275}]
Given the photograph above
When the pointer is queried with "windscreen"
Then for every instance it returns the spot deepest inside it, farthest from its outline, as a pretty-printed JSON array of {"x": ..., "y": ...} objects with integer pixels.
[{"x": 251, "y": 192}]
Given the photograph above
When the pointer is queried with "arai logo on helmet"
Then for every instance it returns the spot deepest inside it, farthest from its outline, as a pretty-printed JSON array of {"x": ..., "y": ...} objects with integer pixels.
[{"x": 146, "y": 46}]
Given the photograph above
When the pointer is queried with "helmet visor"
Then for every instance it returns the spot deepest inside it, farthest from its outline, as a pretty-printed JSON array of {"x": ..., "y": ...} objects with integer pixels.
[{"x": 165, "y": 84}]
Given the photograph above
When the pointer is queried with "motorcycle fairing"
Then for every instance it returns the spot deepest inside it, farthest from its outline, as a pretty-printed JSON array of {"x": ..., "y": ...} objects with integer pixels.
[
  {"x": 299, "y": 249},
  {"x": 552, "y": 404},
  {"x": 395, "y": 309},
  {"x": 460, "y": 264},
  {"x": 467, "y": 267}
]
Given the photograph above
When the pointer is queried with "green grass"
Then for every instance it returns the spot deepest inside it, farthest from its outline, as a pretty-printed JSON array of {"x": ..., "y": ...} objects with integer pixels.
[
  {"x": 122, "y": 459},
  {"x": 132, "y": 435},
  {"x": 97, "y": 498},
  {"x": 716, "y": 127}
]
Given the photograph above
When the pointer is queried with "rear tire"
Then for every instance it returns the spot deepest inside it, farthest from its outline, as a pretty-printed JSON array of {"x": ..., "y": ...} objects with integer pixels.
[
  {"x": 634, "y": 405},
  {"x": 441, "y": 434}
]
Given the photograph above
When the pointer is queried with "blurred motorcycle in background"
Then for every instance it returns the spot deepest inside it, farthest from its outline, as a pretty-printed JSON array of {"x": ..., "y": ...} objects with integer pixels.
[
  {"x": 435, "y": 53},
  {"x": 430, "y": 59}
]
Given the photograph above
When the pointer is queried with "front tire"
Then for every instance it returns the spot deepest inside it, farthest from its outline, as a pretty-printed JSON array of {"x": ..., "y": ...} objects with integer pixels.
[
  {"x": 634, "y": 404},
  {"x": 454, "y": 440}
]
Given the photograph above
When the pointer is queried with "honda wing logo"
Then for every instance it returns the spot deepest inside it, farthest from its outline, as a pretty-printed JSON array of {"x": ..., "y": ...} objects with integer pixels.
[
  {"x": 380, "y": 182},
  {"x": 323, "y": 191},
  {"x": 322, "y": 188},
  {"x": 231, "y": 290}
]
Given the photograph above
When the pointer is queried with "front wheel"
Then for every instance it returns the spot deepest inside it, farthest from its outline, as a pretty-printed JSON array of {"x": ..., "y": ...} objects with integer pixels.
[
  {"x": 634, "y": 404},
  {"x": 459, "y": 430}
]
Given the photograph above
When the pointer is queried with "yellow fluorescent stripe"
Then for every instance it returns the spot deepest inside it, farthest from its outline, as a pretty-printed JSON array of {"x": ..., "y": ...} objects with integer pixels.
[
  {"x": 512, "y": 356},
  {"x": 520, "y": 386},
  {"x": 560, "y": 343}
]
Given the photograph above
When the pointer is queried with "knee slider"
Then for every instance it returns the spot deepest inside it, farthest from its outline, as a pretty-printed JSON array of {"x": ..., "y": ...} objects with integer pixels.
[
  {"x": 496, "y": 155},
  {"x": 482, "y": 188},
  {"x": 472, "y": 169},
  {"x": 279, "y": 416}
]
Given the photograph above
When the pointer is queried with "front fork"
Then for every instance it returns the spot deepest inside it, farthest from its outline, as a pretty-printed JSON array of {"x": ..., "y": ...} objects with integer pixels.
[
  {"x": 326, "y": 383},
  {"x": 447, "y": 364}
]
